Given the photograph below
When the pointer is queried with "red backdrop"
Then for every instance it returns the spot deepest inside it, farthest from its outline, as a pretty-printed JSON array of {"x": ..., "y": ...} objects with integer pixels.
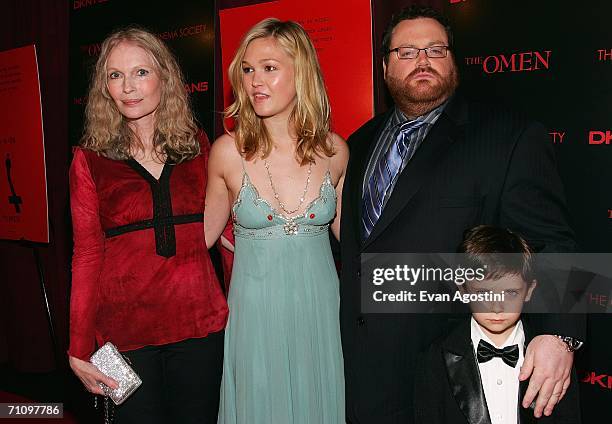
[{"x": 343, "y": 46}]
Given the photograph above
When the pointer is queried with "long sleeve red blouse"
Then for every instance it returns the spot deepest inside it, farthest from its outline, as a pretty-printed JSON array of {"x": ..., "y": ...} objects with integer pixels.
[{"x": 141, "y": 274}]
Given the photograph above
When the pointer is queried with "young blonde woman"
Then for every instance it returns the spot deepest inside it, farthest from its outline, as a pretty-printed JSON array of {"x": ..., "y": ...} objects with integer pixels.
[
  {"x": 142, "y": 278},
  {"x": 280, "y": 174}
]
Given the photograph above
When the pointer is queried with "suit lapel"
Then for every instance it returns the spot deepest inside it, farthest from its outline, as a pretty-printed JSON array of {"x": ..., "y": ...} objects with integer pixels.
[
  {"x": 361, "y": 151},
  {"x": 432, "y": 150},
  {"x": 464, "y": 376}
]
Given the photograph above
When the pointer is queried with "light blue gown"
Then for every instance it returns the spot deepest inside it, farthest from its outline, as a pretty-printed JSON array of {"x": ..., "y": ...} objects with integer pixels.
[{"x": 283, "y": 356}]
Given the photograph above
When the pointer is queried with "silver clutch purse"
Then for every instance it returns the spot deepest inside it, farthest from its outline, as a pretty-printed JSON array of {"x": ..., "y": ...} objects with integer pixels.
[{"x": 111, "y": 363}]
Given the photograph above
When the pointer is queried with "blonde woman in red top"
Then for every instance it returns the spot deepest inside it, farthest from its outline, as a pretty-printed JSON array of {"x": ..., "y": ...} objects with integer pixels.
[{"x": 142, "y": 276}]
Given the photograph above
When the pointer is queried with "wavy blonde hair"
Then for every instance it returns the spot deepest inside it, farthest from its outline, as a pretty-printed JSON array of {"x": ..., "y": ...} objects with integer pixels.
[
  {"x": 107, "y": 131},
  {"x": 310, "y": 117}
]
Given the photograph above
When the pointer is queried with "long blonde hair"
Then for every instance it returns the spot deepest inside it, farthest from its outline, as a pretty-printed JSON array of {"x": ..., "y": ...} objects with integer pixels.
[
  {"x": 310, "y": 117},
  {"x": 107, "y": 132}
]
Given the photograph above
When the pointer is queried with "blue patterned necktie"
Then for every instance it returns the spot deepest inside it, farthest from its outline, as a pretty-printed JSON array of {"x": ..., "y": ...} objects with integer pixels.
[{"x": 388, "y": 166}]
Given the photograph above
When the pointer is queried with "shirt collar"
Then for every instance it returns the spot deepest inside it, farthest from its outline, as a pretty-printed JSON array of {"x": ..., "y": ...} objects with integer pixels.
[
  {"x": 516, "y": 337},
  {"x": 398, "y": 117}
]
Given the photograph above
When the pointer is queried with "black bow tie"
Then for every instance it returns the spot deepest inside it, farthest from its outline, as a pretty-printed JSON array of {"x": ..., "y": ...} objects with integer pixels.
[{"x": 486, "y": 352}]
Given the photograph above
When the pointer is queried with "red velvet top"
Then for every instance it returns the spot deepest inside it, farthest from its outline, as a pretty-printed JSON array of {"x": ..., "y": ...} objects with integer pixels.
[{"x": 148, "y": 286}]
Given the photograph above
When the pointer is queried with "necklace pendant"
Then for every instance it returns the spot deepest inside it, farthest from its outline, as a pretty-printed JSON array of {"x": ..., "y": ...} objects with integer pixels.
[{"x": 290, "y": 227}]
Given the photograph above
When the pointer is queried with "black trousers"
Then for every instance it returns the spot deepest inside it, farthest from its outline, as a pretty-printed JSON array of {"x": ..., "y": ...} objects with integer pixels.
[{"x": 180, "y": 383}]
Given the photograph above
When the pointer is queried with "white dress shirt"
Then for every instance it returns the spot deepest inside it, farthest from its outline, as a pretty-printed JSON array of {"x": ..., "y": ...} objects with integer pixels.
[{"x": 500, "y": 381}]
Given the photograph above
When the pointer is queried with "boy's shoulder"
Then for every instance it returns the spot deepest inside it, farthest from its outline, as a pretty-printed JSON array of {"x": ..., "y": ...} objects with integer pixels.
[{"x": 455, "y": 344}]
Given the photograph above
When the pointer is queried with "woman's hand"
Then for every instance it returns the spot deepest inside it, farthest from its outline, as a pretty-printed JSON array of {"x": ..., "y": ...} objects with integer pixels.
[{"x": 90, "y": 376}]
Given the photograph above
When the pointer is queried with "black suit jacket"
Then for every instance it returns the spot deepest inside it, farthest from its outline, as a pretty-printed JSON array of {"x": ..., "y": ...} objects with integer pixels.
[
  {"x": 448, "y": 388},
  {"x": 477, "y": 165}
]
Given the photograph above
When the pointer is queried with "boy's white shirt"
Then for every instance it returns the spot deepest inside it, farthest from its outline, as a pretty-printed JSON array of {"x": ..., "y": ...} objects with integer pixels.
[{"x": 500, "y": 381}]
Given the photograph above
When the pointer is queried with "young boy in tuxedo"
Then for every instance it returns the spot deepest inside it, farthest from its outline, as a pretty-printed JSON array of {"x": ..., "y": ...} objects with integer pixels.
[{"x": 471, "y": 374}]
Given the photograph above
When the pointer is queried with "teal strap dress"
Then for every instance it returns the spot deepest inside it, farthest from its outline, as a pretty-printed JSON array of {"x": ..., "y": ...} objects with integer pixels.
[{"x": 283, "y": 357}]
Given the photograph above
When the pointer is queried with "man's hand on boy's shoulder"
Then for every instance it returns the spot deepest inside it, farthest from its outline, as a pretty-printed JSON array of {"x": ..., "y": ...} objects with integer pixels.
[{"x": 549, "y": 364}]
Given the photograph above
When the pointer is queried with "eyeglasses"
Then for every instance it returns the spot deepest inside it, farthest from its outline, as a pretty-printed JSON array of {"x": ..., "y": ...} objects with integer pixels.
[{"x": 433, "y": 52}]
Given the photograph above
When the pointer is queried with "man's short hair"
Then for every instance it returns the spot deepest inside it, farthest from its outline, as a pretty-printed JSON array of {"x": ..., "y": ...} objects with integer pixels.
[
  {"x": 499, "y": 251},
  {"x": 414, "y": 12}
]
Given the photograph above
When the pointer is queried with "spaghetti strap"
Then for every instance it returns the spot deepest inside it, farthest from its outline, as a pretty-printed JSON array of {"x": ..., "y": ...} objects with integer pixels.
[{"x": 245, "y": 174}]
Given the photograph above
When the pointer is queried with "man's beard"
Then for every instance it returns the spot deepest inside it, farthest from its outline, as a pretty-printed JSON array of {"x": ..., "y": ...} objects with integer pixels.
[{"x": 416, "y": 100}]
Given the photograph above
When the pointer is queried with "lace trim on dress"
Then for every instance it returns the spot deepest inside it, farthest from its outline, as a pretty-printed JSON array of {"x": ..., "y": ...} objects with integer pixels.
[{"x": 246, "y": 181}]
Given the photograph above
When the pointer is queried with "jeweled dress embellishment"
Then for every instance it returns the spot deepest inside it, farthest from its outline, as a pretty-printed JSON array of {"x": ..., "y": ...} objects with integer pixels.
[{"x": 290, "y": 227}]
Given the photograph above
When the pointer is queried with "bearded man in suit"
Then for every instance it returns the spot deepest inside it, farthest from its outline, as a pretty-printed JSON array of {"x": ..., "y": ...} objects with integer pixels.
[{"x": 419, "y": 175}]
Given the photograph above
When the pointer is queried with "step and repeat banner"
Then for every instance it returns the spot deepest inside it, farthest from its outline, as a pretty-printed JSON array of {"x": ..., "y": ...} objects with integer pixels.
[
  {"x": 186, "y": 26},
  {"x": 553, "y": 61}
]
